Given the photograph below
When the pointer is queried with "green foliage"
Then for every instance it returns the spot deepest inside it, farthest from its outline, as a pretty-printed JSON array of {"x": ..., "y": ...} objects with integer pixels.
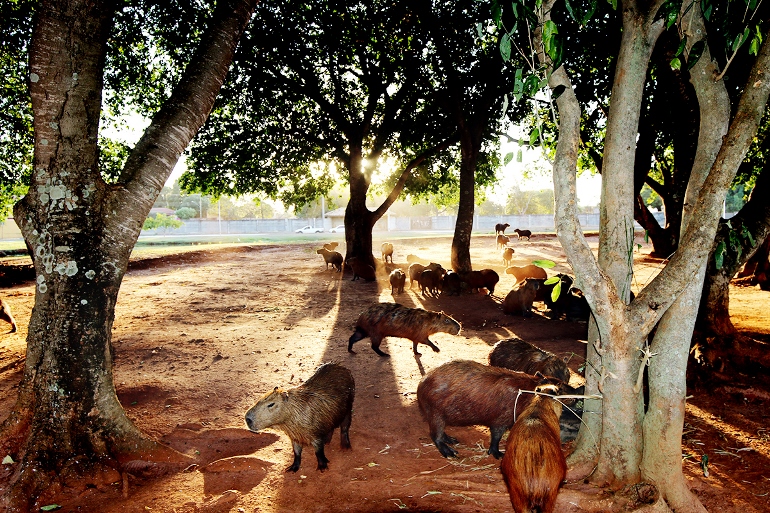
[
  {"x": 161, "y": 221},
  {"x": 185, "y": 213},
  {"x": 651, "y": 198},
  {"x": 529, "y": 202}
]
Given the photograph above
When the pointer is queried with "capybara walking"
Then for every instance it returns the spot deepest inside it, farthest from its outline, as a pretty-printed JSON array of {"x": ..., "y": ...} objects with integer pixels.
[
  {"x": 518, "y": 355},
  {"x": 397, "y": 281},
  {"x": 331, "y": 257},
  {"x": 387, "y": 252},
  {"x": 534, "y": 465},
  {"x": 527, "y": 271},
  {"x": 309, "y": 413},
  {"x": 468, "y": 393},
  {"x": 500, "y": 228},
  {"x": 523, "y": 233},
  {"x": 507, "y": 256},
  {"x": 519, "y": 300},
  {"x": 394, "y": 320},
  {"x": 502, "y": 240},
  {"x": 483, "y": 279},
  {"x": 361, "y": 269},
  {"x": 6, "y": 315}
]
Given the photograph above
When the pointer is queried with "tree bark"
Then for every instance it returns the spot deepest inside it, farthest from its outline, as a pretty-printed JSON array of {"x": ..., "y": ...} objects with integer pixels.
[
  {"x": 470, "y": 146},
  {"x": 81, "y": 232}
]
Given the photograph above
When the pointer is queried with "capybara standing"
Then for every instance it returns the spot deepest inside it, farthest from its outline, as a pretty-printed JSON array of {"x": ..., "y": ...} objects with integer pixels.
[
  {"x": 309, "y": 413},
  {"x": 451, "y": 284},
  {"x": 397, "y": 281},
  {"x": 361, "y": 269},
  {"x": 331, "y": 246},
  {"x": 507, "y": 256},
  {"x": 393, "y": 320},
  {"x": 6, "y": 315},
  {"x": 468, "y": 393},
  {"x": 500, "y": 228},
  {"x": 430, "y": 280},
  {"x": 519, "y": 300},
  {"x": 518, "y": 355},
  {"x": 502, "y": 240},
  {"x": 523, "y": 233},
  {"x": 387, "y": 252},
  {"x": 331, "y": 257},
  {"x": 527, "y": 271},
  {"x": 534, "y": 465},
  {"x": 416, "y": 269},
  {"x": 483, "y": 279}
]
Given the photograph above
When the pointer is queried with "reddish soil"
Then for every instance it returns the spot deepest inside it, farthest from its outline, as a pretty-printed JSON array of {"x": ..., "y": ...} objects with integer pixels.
[{"x": 200, "y": 336}]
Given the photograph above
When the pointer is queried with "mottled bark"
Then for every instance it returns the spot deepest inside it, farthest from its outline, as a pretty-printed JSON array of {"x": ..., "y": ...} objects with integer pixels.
[{"x": 461, "y": 242}]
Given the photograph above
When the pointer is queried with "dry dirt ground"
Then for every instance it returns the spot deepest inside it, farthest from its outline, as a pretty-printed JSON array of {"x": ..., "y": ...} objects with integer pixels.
[{"x": 199, "y": 336}]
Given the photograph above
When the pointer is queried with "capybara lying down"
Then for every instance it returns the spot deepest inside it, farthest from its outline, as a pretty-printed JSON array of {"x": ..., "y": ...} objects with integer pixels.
[
  {"x": 309, "y": 413},
  {"x": 397, "y": 281},
  {"x": 361, "y": 269},
  {"x": 387, "y": 252},
  {"x": 518, "y": 355},
  {"x": 523, "y": 233},
  {"x": 483, "y": 279},
  {"x": 331, "y": 257},
  {"x": 5, "y": 314},
  {"x": 534, "y": 465},
  {"x": 519, "y": 300},
  {"x": 527, "y": 271},
  {"x": 467, "y": 393},
  {"x": 393, "y": 320}
]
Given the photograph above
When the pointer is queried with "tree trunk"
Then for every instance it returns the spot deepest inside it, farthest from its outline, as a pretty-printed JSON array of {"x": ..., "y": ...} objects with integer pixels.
[
  {"x": 358, "y": 218},
  {"x": 470, "y": 145}
]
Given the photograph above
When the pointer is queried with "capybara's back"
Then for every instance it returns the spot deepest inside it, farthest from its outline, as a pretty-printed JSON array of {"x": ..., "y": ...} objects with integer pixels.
[
  {"x": 518, "y": 355},
  {"x": 387, "y": 252},
  {"x": 527, "y": 271},
  {"x": 534, "y": 466}
]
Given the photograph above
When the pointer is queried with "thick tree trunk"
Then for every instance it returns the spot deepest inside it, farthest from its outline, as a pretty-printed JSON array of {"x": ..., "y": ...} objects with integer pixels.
[
  {"x": 358, "y": 218},
  {"x": 461, "y": 242}
]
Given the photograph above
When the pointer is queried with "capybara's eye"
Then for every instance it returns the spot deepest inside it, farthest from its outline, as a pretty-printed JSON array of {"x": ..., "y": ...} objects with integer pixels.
[{"x": 271, "y": 405}]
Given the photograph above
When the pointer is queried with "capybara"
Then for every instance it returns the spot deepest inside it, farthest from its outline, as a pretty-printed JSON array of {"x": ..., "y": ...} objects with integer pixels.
[
  {"x": 430, "y": 280},
  {"x": 468, "y": 393},
  {"x": 534, "y": 465},
  {"x": 397, "y": 281},
  {"x": 331, "y": 257},
  {"x": 523, "y": 233},
  {"x": 331, "y": 246},
  {"x": 483, "y": 279},
  {"x": 507, "y": 256},
  {"x": 518, "y": 355},
  {"x": 361, "y": 269},
  {"x": 309, "y": 413},
  {"x": 6, "y": 315},
  {"x": 502, "y": 240},
  {"x": 393, "y": 320},
  {"x": 527, "y": 271},
  {"x": 414, "y": 259},
  {"x": 387, "y": 252},
  {"x": 416, "y": 269},
  {"x": 500, "y": 228},
  {"x": 451, "y": 284},
  {"x": 576, "y": 308},
  {"x": 519, "y": 299}
]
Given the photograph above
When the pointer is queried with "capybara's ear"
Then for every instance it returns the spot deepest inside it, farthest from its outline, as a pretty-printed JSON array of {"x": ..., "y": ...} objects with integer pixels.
[
  {"x": 275, "y": 389},
  {"x": 285, "y": 396}
]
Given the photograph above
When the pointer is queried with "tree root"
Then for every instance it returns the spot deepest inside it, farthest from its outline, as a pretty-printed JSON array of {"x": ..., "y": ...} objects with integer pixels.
[{"x": 640, "y": 497}]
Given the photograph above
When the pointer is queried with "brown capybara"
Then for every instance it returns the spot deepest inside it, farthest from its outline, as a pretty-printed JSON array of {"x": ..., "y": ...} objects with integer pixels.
[
  {"x": 507, "y": 256},
  {"x": 416, "y": 269},
  {"x": 519, "y": 300},
  {"x": 518, "y": 355},
  {"x": 393, "y": 320},
  {"x": 527, "y": 271},
  {"x": 523, "y": 233},
  {"x": 414, "y": 259},
  {"x": 500, "y": 228},
  {"x": 387, "y": 252},
  {"x": 483, "y": 279},
  {"x": 331, "y": 257},
  {"x": 468, "y": 393},
  {"x": 534, "y": 465},
  {"x": 430, "y": 280},
  {"x": 558, "y": 306},
  {"x": 331, "y": 246},
  {"x": 361, "y": 269},
  {"x": 577, "y": 309},
  {"x": 309, "y": 413},
  {"x": 502, "y": 240},
  {"x": 451, "y": 284},
  {"x": 397, "y": 281},
  {"x": 6, "y": 315}
]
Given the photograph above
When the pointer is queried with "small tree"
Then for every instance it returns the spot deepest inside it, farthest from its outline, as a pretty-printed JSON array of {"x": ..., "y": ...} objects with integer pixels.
[{"x": 185, "y": 213}]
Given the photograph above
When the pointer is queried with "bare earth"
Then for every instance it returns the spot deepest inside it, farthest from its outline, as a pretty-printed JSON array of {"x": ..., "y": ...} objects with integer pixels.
[{"x": 201, "y": 335}]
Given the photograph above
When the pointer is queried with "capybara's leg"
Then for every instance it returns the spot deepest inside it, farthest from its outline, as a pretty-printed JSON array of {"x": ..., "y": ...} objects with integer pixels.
[
  {"x": 450, "y": 440},
  {"x": 376, "y": 341},
  {"x": 355, "y": 337},
  {"x": 439, "y": 437},
  {"x": 431, "y": 345},
  {"x": 297, "y": 457},
  {"x": 328, "y": 437},
  {"x": 318, "y": 445},
  {"x": 345, "y": 431},
  {"x": 494, "y": 443},
  {"x": 414, "y": 349}
]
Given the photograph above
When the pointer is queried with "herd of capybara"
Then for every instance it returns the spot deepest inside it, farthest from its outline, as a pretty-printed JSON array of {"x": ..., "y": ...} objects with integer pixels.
[{"x": 516, "y": 390}]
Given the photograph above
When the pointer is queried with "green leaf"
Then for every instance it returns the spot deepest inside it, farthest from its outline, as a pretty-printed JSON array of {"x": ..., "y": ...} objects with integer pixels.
[
  {"x": 545, "y": 264},
  {"x": 680, "y": 49},
  {"x": 614, "y": 4},
  {"x": 719, "y": 255},
  {"x": 695, "y": 53},
  {"x": 533, "y": 137},
  {"x": 505, "y": 47},
  {"x": 707, "y": 9},
  {"x": 568, "y": 5},
  {"x": 746, "y": 234},
  {"x": 508, "y": 158},
  {"x": 754, "y": 46},
  {"x": 50, "y": 507},
  {"x": 556, "y": 292},
  {"x": 557, "y": 91},
  {"x": 551, "y": 280},
  {"x": 646, "y": 236},
  {"x": 676, "y": 63},
  {"x": 519, "y": 156}
]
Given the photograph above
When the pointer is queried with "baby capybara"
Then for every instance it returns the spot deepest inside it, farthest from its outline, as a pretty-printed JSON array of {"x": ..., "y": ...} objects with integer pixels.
[
  {"x": 397, "y": 281},
  {"x": 507, "y": 256},
  {"x": 416, "y": 269},
  {"x": 502, "y": 240},
  {"x": 500, "y": 228},
  {"x": 309, "y": 413},
  {"x": 7, "y": 316},
  {"x": 523, "y": 233},
  {"x": 527, "y": 271},
  {"x": 451, "y": 284},
  {"x": 519, "y": 300},
  {"x": 483, "y": 279},
  {"x": 468, "y": 393},
  {"x": 534, "y": 465},
  {"x": 518, "y": 355},
  {"x": 393, "y": 320},
  {"x": 361, "y": 269},
  {"x": 387, "y": 252},
  {"x": 331, "y": 257}
]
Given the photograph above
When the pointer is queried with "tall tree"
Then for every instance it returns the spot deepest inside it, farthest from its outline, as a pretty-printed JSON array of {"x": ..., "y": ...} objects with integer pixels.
[
  {"x": 632, "y": 441},
  {"x": 81, "y": 231}
]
